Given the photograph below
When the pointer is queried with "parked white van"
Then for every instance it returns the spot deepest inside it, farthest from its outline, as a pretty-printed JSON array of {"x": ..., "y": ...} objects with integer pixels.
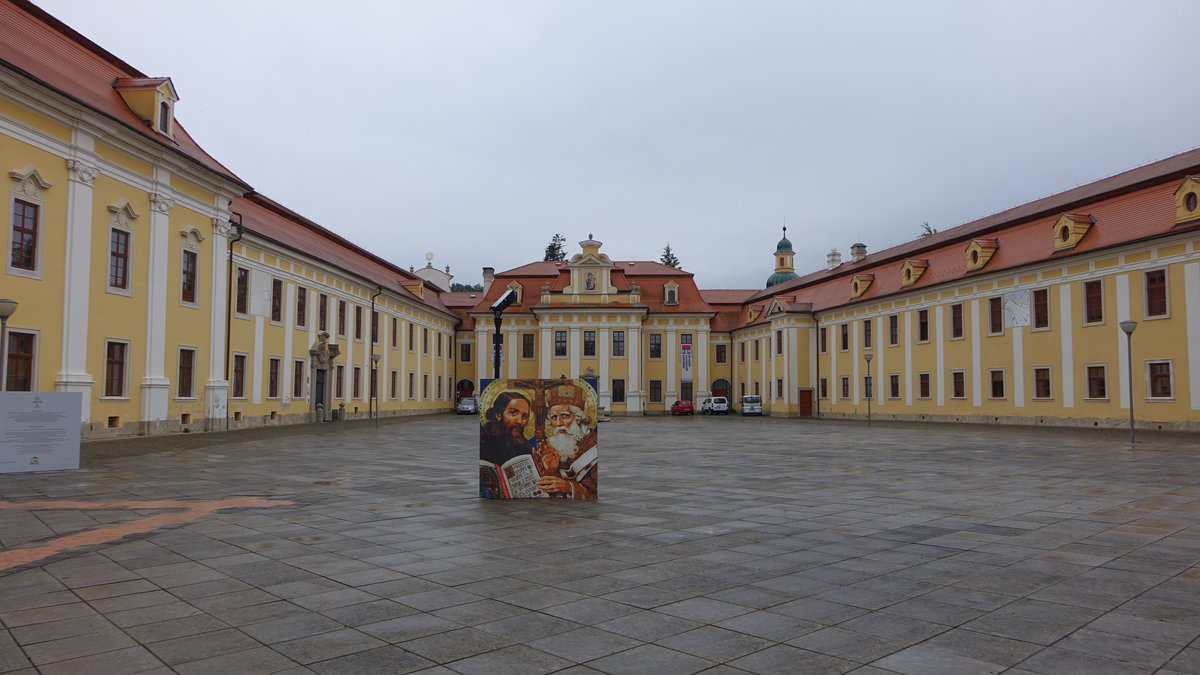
[
  {"x": 717, "y": 405},
  {"x": 751, "y": 405}
]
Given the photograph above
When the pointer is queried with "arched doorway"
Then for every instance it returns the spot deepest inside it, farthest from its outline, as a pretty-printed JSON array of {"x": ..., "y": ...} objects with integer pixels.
[
  {"x": 720, "y": 387},
  {"x": 465, "y": 388}
]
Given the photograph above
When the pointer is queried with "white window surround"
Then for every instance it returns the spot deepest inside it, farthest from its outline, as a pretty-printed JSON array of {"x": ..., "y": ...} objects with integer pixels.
[
  {"x": 1146, "y": 294},
  {"x": 124, "y": 395},
  {"x": 1108, "y": 394},
  {"x": 1146, "y": 372},
  {"x": 28, "y": 186},
  {"x": 120, "y": 217},
  {"x": 1050, "y": 376},
  {"x": 191, "y": 242},
  {"x": 195, "y": 370}
]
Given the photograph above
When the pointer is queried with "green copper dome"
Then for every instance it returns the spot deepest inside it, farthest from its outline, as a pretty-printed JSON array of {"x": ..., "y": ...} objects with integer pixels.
[
  {"x": 780, "y": 277},
  {"x": 784, "y": 246}
]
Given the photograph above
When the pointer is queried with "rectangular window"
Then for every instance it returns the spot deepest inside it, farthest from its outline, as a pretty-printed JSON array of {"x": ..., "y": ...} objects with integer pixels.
[
  {"x": 339, "y": 382},
  {"x": 656, "y": 395},
  {"x": 560, "y": 343},
  {"x": 439, "y": 345},
  {"x": 779, "y": 387},
  {"x": 922, "y": 325},
  {"x": 242, "y": 293},
  {"x": 1160, "y": 379},
  {"x": 778, "y": 342},
  {"x": 894, "y": 385},
  {"x": 395, "y": 380},
  {"x": 756, "y": 391},
  {"x": 187, "y": 363},
  {"x": 685, "y": 338},
  {"x": 341, "y": 327},
  {"x": 114, "y": 368},
  {"x": 923, "y": 385},
  {"x": 685, "y": 391},
  {"x": 822, "y": 340},
  {"x": 439, "y": 387},
  {"x": 24, "y": 235},
  {"x": 239, "y": 376},
  {"x": 958, "y": 384},
  {"x": 995, "y": 316},
  {"x": 844, "y": 336},
  {"x": 618, "y": 345},
  {"x": 425, "y": 344},
  {"x": 18, "y": 373},
  {"x": 412, "y": 385},
  {"x": 1041, "y": 382},
  {"x": 893, "y": 330},
  {"x": 425, "y": 386},
  {"x": 298, "y": 378},
  {"x": 1041, "y": 308},
  {"x": 356, "y": 383},
  {"x": 273, "y": 379},
  {"x": 845, "y": 387},
  {"x": 373, "y": 389},
  {"x": 464, "y": 352},
  {"x": 721, "y": 353},
  {"x": 618, "y": 391},
  {"x": 867, "y": 337},
  {"x": 757, "y": 349},
  {"x": 589, "y": 343},
  {"x": 301, "y": 307},
  {"x": 742, "y": 352},
  {"x": 956, "y": 320},
  {"x": 656, "y": 345},
  {"x": 1156, "y": 293},
  {"x": 323, "y": 312},
  {"x": 1093, "y": 302},
  {"x": 823, "y": 387},
  {"x": 395, "y": 333},
  {"x": 188, "y": 275},
  {"x": 118, "y": 259},
  {"x": 277, "y": 300},
  {"x": 867, "y": 389},
  {"x": 374, "y": 327},
  {"x": 528, "y": 341},
  {"x": 997, "y": 383},
  {"x": 358, "y": 322},
  {"x": 1097, "y": 382}
]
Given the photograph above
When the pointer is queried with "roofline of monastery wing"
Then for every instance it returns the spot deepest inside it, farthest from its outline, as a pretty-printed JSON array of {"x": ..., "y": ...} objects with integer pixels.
[
  {"x": 276, "y": 207},
  {"x": 540, "y": 310},
  {"x": 226, "y": 174},
  {"x": 979, "y": 274},
  {"x": 52, "y": 21},
  {"x": 1065, "y": 201}
]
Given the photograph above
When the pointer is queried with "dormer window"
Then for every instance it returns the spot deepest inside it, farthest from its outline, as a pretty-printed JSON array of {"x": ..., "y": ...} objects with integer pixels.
[
  {"x": 979, "y": 252},
  {"x": 164, "y": 118},
  {"x": 1070, "y": 229},
  {"x": 1187, "y": 202},
  {"x": 911, "y": 270},
  {"x": 671, "y": 293},
  {"x": 860, "y": 283}
]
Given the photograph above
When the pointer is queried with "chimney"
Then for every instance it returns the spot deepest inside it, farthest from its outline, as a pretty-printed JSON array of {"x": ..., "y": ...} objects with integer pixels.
[
  {"x": 833, "y": 259},
  {"x": 489, "y": 274},
  {"x": 858, "y": 252}
]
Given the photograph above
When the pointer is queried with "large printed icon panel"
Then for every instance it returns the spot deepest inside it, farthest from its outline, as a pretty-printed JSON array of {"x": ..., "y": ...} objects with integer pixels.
[{"x": 537, "y": 438}]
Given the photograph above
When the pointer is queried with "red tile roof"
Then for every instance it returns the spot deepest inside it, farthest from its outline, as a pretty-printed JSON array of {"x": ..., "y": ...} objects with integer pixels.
[
  {"x": 273, "y": 221},
  {"x": 45, "y": 49}
]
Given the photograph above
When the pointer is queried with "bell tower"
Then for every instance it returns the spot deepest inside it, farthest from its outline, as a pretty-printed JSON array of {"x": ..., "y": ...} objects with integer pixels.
[{"x": 784, "y": 268}]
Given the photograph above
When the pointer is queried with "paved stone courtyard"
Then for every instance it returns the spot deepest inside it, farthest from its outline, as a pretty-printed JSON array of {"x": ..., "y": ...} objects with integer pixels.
[{"x": 718, "y": 545}]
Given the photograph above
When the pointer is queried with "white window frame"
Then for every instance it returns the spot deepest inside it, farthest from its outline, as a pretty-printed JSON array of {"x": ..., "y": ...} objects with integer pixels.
[
  {"x": 1086, "y": 380},
  {"x": 1003, "y": 379},
  {"x": 1166, "y": 295},
  {"x": 124, "y": 395},
  {"x": 27, "y": 186},
  {"x": 1146, "y": 369},
  {"x": 195, "y": 363},
  {"x": 1049, "y": 376}
]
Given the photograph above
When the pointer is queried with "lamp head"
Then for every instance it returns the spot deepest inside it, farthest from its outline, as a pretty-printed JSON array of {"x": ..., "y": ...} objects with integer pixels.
[
  {"x": 7, "y": 307},
  {"x": 868, "y": 356},
  {"x": 1128, "y": 326},
  {"x": 376, "y": 357}
]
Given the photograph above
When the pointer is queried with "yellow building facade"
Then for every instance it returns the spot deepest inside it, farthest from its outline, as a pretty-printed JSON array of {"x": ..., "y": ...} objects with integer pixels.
[{"x": 157, "y": 284}]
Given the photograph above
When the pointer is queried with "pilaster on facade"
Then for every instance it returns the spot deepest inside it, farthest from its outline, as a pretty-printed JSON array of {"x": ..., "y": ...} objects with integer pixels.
[
  {"x": 604, "y": 352},
  {"x": 670, "y": 354},
  {"x": 633, "y": 394},
  {"x": 155, "y": 383},
  {"x": 73, "y": 372},
  {"x": 1068, "y": 353},
  {"x": 1191, "y": 303},
  {"x": 546, "y": 353},
  {"x": 216, "y": 387},
  {"x": 483, "y": 354},
  {"x": 511, "y": 351},
  {"x": 704, "y": 390},
  {"x": 574, "y": 349}
]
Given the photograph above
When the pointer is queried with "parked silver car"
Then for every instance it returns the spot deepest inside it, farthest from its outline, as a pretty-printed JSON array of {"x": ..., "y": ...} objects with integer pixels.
[{"x": 467, "y": 406}]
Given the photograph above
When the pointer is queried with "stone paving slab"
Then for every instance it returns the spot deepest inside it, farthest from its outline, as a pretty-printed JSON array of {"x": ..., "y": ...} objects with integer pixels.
[{"x": 720, "y": 545}]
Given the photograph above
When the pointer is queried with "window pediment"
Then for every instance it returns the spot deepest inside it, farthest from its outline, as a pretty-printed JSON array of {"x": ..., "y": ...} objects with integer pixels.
[
  {"x": 979, "y": 252},
  {"x": 191, "y": 238},
  {"x": 911, "y": 271},
  {"x": 671, "y": 293},
  {"x": 27, "y": 182},
  {"x": 1070, "y": 229},
  {"x": 121, "y": 214}
]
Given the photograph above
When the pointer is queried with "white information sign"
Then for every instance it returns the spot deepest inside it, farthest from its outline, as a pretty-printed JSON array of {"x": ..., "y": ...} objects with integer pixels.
[{"x": 39, "y": 431}]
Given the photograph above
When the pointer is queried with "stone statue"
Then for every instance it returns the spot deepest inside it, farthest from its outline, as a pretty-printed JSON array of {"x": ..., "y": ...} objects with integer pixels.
[{"x": 322, "y": 352}]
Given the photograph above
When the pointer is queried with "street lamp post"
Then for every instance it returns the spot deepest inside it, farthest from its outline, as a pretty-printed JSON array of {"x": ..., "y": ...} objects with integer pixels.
[
  {"x": 7, "y": 307},
  {"x": 867, "y": 357},
  {"x": 1128, "y": 327},
  {"x": 375, "y": 385}
]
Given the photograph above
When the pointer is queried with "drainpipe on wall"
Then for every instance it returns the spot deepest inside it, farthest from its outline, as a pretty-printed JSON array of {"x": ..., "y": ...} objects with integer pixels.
[{"x": 237, "y": 224}]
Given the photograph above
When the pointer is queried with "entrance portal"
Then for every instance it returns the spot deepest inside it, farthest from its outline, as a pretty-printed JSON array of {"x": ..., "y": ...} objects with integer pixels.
[
  {"x": 464, "y": 389},
  {"x": 720, "y": 387}
]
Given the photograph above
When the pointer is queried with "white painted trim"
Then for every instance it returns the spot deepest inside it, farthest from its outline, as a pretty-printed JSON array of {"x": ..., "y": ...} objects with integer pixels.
[
  {"x": 906, "y": 335},
  {"x": 976, "y": 357},
  {"x": 1018, "y": 346},
  {"x": 1191, "y": 303},
  {"x": 939, "y": 379},
  {"x": 1067, "y": 328},
  {"x": 1123, "y": 312}
]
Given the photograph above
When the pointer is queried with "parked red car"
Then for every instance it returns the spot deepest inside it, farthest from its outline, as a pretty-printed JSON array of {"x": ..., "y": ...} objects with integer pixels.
[{"x": 683, "y": 408}]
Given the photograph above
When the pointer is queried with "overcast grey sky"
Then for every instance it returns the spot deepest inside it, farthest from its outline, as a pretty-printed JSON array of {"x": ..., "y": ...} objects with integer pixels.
[{"x": 476, "y": 130}]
